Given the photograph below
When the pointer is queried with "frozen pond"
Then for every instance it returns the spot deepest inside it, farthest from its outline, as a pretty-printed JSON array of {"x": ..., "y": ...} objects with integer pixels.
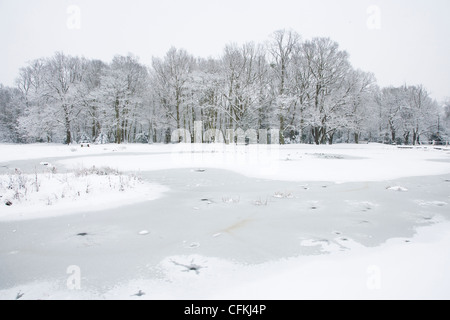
[{"x": 216, "y": 213}]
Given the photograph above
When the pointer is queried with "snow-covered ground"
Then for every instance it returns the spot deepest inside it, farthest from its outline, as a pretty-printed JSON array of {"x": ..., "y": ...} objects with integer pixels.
[
  {"x": 48, "y": 194},
  {"x": 237, "y": 222},
  {"x": 338, "y": 163}
]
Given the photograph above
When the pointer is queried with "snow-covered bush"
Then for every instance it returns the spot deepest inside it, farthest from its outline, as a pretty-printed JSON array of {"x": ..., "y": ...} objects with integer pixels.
[
  {"x": 102, "y": 139},
  {"x": 84, "y": 138},
  {"x": 142, "y": 138}
]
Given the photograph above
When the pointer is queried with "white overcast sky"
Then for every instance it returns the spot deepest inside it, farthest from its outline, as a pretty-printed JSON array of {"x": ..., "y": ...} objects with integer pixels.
[{"x": 412, "y": 46}]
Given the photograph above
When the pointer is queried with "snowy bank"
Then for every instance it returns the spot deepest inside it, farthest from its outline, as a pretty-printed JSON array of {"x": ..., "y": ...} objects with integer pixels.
[{"x": 49, "y": 194}]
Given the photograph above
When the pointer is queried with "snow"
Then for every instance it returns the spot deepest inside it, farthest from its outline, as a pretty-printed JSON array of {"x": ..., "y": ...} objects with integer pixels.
[
  {"x": 403, "y": 273},
  {"x": 340, "y": 163},
  {"x": 398, "y": 188},
  {"x": 10, "y": 152},
  {"x": 230, "y": 222},
  {"x": 431, "y": 203},
  {"x": 44, "y": 195},
  {"x": 395, "y": 270}
]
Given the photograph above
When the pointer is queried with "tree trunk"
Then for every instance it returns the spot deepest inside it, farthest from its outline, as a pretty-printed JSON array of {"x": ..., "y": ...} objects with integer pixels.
[
  {"x": 178, "y": 104},
  {"x": 126, "y": 131},
  {"x": 282, "y": 130},
  {"x": 331, "y": 137},
  {"x": 415, "y": 137},
  {"x": 323, "y": 134},
  {"x": 118, "y": 129},
  {"x": 94, "y": 130},
  {"x": 356, "y": 138},
  {"x": 68, "y": 133},
  {"x": 406, "y": 137},
  {"x": 316, "y": 135},
  {"x": 68, "y": 137},
  {"x": 393, "y": 136}
]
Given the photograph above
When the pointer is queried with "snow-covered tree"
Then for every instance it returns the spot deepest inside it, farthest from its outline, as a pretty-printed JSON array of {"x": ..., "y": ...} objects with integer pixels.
[
  {"x": 446, "y": 116},
  {"x": 37, "y": 122},
  {"x": 408, "y": 114},
  {"x": 91, "y": 120},
  {"x": 62, "y": 78},
  {"x": 121, "y": 96},
  {"x": 306, "y": 89},
  {"x": 392, "y": 101},
  {"x": 204, "y": 95},
  {"x": 171, "y": 78},
  {"x": 330, "y": 88},
  {"x": 359, "y": 110},
  {"x": 11, "y": 100},
  {"x": 421, "y": 116},
  {"x": 242, "y": 76},
  {"x": 282, "y": 47}
]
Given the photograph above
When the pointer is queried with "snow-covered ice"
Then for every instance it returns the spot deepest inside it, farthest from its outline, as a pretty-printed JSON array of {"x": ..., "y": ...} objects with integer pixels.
[
  {"x": 344, "y": 163},
  {"x": 229, "y": 222},
  {"x": 45, "y": 194}
]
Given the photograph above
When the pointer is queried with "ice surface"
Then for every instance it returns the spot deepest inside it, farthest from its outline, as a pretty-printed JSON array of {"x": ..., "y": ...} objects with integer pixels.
[{"x": 326, "y": 225}]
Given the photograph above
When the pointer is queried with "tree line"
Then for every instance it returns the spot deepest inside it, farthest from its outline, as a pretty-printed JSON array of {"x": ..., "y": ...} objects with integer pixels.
[{"x": 305, "y": 88}]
